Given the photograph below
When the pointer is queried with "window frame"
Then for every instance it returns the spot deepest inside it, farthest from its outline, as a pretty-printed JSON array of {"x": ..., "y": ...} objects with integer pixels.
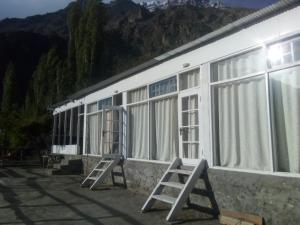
[{"x": 266, "y": 73}]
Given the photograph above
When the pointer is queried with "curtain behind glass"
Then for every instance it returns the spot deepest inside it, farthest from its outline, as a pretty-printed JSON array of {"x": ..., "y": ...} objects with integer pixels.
[
  {"x": 138, "y": 131},
  {"x": 241, "y": 125},
  {"x": 164, "y": 129},
  {"x": 94, "y": 134},
  {"x": 285, "y": 92}
]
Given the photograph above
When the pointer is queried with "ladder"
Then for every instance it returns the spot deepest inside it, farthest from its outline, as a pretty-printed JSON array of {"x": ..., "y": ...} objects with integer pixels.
[
  {"x": 103, "y": 169},
  {"x": 176, "y": 167}
]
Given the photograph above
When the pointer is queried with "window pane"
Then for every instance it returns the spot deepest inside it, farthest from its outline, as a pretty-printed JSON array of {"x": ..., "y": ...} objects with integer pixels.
[
  {"x": 297, "y": 50},
  {"x": 68, "y": 124},
  {"x": 139, "y": 131},
  {"x": 137, "y": 95},
  {"x": 189, "y": 79},
  {"x": 285, "y": 92},
  {"x": 239, "y": 66},
  {"x": 92, "y": 107},
  {"x": 61, "y": 128},
  {"x": 74, "y": 126},
  {"x": 94, "y": 125},
  {"x": 104, "y": 103},
  {"x": 240, "y": 125},
  {"x": 163, "y": 87},
  {"x": 164, "y": 129}
]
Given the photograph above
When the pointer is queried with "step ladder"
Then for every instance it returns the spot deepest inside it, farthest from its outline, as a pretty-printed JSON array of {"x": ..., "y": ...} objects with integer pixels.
[
  {"x": 176, "y": 167},
  {"x": 103, "y": 169}
]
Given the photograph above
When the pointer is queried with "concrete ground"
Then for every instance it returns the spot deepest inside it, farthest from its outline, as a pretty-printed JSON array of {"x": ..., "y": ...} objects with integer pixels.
[{"x": 30, "y": 196}]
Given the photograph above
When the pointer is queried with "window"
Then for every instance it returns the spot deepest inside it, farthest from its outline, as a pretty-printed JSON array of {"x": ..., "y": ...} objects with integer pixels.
[
  {"x": 137, "y": 95},
  {"x": 239, "y": 66},
  {"x": 153, "y": 124},
  {"x": 61, "y": 128},
  {"x": 118, "y": 99},
  {"x": 104, "y": 103},
  {"x": 163, "y": 87},
  {"x": 164, "y": 129},
  {"x": 68, "y": 128},
  {"x": 285, "y": 102},
  {"x": 189, "y": 79},
  {"x": 74, "y": 126},
  {"x": 284, "y": 53},
  {"x": 240, "y": 113},
  {"x": 93, "y": 107}
]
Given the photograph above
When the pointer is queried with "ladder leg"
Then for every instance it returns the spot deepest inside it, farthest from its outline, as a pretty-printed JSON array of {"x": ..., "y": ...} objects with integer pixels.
[
  {"x": 159, "y": 188},
  {"x": 124, "y": 178},
  {"x": 184, "y": 194}
]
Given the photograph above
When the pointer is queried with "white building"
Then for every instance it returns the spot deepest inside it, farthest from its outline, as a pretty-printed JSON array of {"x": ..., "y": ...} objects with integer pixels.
[{"x": 231, "y": 97}]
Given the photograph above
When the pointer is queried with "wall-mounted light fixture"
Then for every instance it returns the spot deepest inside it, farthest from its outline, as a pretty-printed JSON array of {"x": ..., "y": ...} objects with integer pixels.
[{"x": 185, "y": 65}]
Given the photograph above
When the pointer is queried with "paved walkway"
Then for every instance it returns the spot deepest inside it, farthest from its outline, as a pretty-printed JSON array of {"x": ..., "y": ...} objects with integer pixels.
[{"x": 29, "y": 196}]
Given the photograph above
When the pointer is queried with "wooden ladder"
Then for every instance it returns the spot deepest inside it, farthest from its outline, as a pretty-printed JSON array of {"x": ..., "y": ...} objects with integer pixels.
[
  {"x": 102, "y": 171},
  {"x": 185, "y": 188}
]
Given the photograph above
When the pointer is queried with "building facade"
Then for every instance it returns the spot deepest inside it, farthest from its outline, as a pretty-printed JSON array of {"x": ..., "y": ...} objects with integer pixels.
[{"x": 231, "y": 97}]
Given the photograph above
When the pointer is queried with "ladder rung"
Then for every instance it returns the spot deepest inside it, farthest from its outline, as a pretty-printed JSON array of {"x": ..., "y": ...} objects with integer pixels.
[
  {"x": 105, "y": 161},
  {"x": 185, "y": 172},
  {"x": 165, "y": 198},
  {"x": 92, "y": 178},
  {"x": 173, "y": 184},
  {"x": 99, "y": 170}
]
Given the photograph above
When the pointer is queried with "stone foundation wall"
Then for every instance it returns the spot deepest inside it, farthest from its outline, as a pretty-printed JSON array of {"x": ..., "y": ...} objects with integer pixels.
[{"x": 276, "y": 198}]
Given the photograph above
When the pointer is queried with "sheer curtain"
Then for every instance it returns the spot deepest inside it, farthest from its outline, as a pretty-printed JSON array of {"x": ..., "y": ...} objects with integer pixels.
[
  {"x": 189, "y": 79},
  {"x": 94, "y": 134},
  {"x": 164, "y": 129},
  {"x": 242, "y": 125},
  {"x": 241, "y": 114},
  {"x": 285, "y": 92},
  {"x": 138, "y": 131}
]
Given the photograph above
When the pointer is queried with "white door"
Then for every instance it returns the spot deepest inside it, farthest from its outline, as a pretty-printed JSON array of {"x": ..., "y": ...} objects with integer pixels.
[
  {"x": 112, "y": 130},
  {"x": 189, "y": 135}
]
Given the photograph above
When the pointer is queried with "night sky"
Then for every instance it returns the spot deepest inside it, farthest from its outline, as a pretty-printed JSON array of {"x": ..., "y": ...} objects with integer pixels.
[{"x": 24, "y": 8}]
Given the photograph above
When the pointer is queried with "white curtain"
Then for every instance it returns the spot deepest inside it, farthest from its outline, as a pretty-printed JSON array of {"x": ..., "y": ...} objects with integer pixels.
[
  {"x": 137, "y": 95},
  {"x": 285, "y": 87},
  {"x": 139, "y": 131},
  {"x": 239, "y": 66},
  {"x": 107, "y": 138},
  {"x": 94, "y": 133},
  {"x": 241, "y": 125},
  {"x": 164, "y": 129},
  {"x": 189, "y": 79}
]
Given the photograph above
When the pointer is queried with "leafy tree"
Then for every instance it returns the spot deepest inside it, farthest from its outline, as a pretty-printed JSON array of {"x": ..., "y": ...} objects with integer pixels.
[{"x": 9, "y": 89}]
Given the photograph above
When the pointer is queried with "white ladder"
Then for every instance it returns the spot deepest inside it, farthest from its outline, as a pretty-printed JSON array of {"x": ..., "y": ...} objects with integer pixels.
[
  {"x": 102, "y": 170},
  {"x": 185, "y": 188}
]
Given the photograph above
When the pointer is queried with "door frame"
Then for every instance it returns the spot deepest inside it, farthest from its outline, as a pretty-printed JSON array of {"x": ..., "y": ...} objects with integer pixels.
[{"x": 182, "y": 94}]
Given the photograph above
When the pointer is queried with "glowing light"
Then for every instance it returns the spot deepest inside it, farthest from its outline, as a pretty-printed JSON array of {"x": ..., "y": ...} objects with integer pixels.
[{"x": 275, "y": 54}]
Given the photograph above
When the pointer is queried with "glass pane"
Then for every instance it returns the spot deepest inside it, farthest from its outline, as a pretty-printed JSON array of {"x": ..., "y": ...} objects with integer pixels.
[
  {"x": 163, "y": 87},
  {"x": 297, "y": 50},
  {"x": 92, "y": 107},
  {"x": 285, "y": 89},
  {"x": 239, "y": 66},
  {"x": 194, "y": 134},
  {"x": 185, "y": 134},
  {"x": 104, "y": 103},
  {"x": 189, "y": 79},
  {"x": 241, "y": 125},
  {"x": 287, "y": 58},
  {"x": 139, "y": 94},
  {"x": 193, "y": 102},
  {"x": 185, "y": 119},
  {"x": 194, "y": 120},
  {"x": 190, "y": 151},
  {"x": 185, "y": 103}
]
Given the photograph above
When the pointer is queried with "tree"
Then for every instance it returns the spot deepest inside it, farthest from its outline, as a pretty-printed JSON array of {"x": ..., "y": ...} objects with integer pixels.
[{"x": 9, "y": 89}]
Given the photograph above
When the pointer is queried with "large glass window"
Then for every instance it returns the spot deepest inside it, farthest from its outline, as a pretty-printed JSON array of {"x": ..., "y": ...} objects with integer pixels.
[
  {"x": 285, "y": 92},
  {"x": 105, "y": 102},
  {"x": 164, "y": 129},
  {"x": 74, "y": 126},
  {"x": 189, "y": 79},
  {"x": 163, "y": 87},
  {"x": 240, "y": 113},
  {"x": 137, "y": 95}
]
